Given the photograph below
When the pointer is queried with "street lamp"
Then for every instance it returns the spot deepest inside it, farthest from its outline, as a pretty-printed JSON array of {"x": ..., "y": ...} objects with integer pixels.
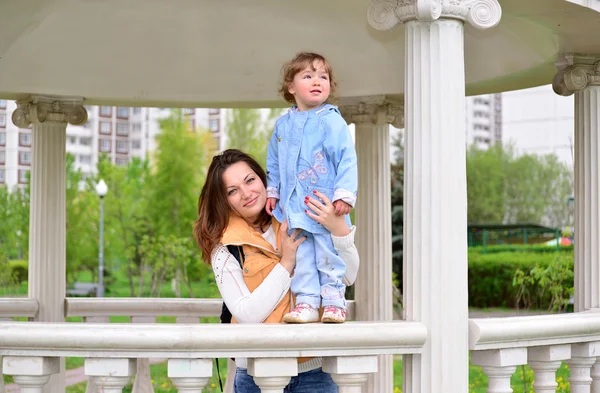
[{"x": 101, "y": 190}]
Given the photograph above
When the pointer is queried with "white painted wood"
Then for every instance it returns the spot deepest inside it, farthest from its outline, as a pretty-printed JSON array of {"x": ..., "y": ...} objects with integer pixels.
[
  {"x": 435, "y": 205},
  {"x": 271, "y": 375},
  {"x": 373, "y": 288},
  {"x": 545, "y": 361},
  {"x": 350, "y": 372},
  {"x": 190, "y": 375},
  {"x": 110, "y": 375},
  {"x": 18, "y": 307},
  {"x": 47, "y": 221},
  {"x": 31, "y": 373}
]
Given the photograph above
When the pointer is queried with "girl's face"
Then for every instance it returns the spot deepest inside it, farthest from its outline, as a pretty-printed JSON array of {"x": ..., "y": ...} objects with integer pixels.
[
  {"x": 311, "y": 86},
  {"x": 245, "y": 191}
]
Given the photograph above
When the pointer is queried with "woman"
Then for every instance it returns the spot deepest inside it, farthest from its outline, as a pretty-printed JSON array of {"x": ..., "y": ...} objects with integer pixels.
[{"x": 231, "y": 211}]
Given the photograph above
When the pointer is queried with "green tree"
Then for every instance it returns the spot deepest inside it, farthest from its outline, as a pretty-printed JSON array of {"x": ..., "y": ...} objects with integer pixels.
[
  {"x": 249, "y": 131},
  {"x": 397, "y": 188}
]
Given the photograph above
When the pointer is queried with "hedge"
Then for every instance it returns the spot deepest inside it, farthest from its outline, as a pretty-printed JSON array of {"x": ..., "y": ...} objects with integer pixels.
[{"x": 19, "y": 269}]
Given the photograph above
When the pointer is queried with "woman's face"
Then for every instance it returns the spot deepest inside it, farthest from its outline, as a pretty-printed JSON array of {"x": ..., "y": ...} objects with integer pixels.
[{"x": 245, "y": 191}]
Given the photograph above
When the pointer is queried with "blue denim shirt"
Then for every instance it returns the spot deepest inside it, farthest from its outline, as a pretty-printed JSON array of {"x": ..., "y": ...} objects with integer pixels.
[{"x": 310, "y": 150}]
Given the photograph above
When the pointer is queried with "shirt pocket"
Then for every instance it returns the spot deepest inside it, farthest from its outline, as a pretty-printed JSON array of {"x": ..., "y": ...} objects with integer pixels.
[{"x": 257, "y": 267}]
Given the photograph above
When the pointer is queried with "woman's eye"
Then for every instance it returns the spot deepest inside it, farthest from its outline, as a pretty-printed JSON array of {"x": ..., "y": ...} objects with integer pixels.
[
  {"x": 250, "y": 180},
  {"x": 230, "y": 192}
]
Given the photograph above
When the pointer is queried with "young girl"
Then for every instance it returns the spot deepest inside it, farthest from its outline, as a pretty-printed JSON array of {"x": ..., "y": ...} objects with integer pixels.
[{"x": 312, "y": 150}]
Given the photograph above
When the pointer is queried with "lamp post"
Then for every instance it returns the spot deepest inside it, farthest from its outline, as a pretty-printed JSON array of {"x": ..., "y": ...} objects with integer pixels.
[{"x": 101, "y": 190}]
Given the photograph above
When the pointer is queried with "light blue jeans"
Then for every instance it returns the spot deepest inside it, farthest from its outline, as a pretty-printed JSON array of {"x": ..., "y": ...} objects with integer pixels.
[
  {"x": 319, "y": 272},
  {"x": 308, "y": 382}
]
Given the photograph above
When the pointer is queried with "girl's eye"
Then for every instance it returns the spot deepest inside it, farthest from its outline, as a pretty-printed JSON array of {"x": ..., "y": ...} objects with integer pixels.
[
  {"x": 325, "y": 77},
  {"x": 306, "y": 76}
]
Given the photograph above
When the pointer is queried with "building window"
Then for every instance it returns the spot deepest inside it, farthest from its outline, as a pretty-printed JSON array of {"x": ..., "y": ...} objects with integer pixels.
[
  {"x": 105, "y": 128},
  {"x": 25, "y": 158},
  {"x": 123, "y": 112},
  {"x": 2, "y": 138},
  {"x": 121, "y": 161},
  {"x": 24, "y": 139},
  {"x": 136, "y": 127},
  {"x": 3, "y": 120},
  {"x": 137, "y": 111},
  {"x": 104, "y": 145},
  {"x": 84, "y": 141},
  {"x": 23, "y": 173},
  {"x": 72, "y": 139},
  {"x": 85, "y": 159},
  {"x": 122, "y": 147},
  {"x": 214, "y": 111},
  {"x": 136, "y": 144},
  {"x": 192, "y": 124},
  {"x": 2, "y": 176},
  {"x": 106, "y": 111},
  {"x": 213, "y": 125},
  {"x": 2, "y": 104},
  {"x": 2, "y": 157},
  {"x": 188, "y": 111},
  {"x": 123, "y": 129}
]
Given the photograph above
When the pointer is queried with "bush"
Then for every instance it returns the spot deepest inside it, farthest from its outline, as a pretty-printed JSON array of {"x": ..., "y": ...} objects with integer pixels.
[
  {"x": 491, "y": 278},
  {"x": 19, "y": 269},
  {"x": 530, "y": 248}
]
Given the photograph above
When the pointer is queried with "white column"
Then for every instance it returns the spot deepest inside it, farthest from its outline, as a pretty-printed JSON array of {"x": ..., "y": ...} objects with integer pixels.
[
  {"x": 190, "y": 375},
  {"x": 499, "y": 365},
  {"x": 272, "y": 375},
  {"x": 435, "y": 192},
  {"x": 373, "y": 288},
  {"x": 580, "y": 75},
  {"x": 47, "y": 222},
  {"x": 31, "y": 373},
  {"x": 545, "y": 361}
]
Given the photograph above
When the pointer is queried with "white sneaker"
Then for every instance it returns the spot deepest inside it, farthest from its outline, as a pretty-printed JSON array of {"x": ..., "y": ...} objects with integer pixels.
[{"x": 303, "y": 313}]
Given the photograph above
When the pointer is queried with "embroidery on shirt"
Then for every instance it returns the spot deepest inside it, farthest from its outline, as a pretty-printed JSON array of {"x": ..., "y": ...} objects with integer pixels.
[{"x": 316, "y": 169}]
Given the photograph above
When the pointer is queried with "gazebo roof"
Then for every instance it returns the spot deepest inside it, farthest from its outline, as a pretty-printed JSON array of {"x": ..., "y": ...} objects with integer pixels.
[{"x": 228, "y": 53}]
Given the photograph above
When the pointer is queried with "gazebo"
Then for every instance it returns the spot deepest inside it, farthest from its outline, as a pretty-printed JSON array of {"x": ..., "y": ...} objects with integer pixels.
[{"x": 409, "y": 63}]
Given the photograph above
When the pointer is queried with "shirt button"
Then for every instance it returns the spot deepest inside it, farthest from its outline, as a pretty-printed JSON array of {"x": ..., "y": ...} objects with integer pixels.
[{"x": 245, "y": 270}]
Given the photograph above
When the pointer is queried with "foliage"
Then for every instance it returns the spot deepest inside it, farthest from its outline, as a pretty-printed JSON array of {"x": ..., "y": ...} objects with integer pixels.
[
  {"x": 504, "y": 187},
  {"x": 491, "y": 278},
  {"x": 17, "y": 269},
  {"x": 14, "y": 216},
  {"x": 249, "y": 131},
  {"x": 397, "y": 189}
]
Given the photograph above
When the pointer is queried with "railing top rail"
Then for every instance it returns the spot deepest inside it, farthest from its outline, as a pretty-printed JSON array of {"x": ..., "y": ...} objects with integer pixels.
[
  {"x": 18, "y": 307},
  {"x": 210, "y": 340},
  {"x": 102, "y": 307},
  {"x": 518, "y": 332}
]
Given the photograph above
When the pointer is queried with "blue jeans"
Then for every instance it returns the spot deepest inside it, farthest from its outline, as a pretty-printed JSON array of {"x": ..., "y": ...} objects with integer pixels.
[
  {"x": 308, "y": 382},
  {"x": 319, "y": 272}
]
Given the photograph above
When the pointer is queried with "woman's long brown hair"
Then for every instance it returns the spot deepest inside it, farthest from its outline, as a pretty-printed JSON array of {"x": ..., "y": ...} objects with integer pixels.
[{"x": 213, "y": 206}]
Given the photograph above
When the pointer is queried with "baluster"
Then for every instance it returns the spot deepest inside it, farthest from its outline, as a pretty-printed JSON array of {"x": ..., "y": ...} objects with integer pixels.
[
  {"x": 110, "y": 375},
  {"x": 499, "y": 365},
  {"x": 583, "y": 357},
  {"x": 190, "y": 375},
  {"x": 31, "y": 373},
  {"x": 595, "y": 374},
  {"x": 91, "y": 385},
  {"x": 350, "y": 372},
  {"x": 545, "y": 361},
  {"x": 271, "y": 375},
  {"x": 143, "y": 380}
]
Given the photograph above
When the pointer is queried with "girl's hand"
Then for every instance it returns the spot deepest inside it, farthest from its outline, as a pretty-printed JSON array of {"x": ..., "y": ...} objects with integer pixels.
[
  {"x": 341, "y": 208},
  {"x": 270, "y": 205},
  {"x": 289, "y": 245},
  {"x": 324, "y": 213}
]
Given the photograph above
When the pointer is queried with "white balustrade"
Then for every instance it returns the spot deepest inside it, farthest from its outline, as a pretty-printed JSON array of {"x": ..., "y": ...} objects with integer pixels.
[
  {"x": 271, "y": 375},
  {"x": 110, "y": 374},
  {"x": 545, "y": 362},
  {"x": 350, "y": 373},
  {"x": 31, "y": 373},
  {"x": 499, "y": 365},
  {"x": 190, "y": 375},
  {"x": 583, "y": 357}
]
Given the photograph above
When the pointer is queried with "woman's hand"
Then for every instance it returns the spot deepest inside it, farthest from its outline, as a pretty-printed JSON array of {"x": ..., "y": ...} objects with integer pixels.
[
  {"x": 324, "y": 213},
  {"x": 289, "y": 245}
]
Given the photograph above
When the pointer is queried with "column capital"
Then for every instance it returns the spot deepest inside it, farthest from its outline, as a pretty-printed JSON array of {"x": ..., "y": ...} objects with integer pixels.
[
  {"x": 575, "y": 73},
  {"x": 385, "y": 14},
  {"x": 378, "y": 109},
  {"x": 37, "y": 109}
]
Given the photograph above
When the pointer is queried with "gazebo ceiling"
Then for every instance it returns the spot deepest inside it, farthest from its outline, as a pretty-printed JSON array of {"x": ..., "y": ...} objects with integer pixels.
[{"x": 228, "y": 53}]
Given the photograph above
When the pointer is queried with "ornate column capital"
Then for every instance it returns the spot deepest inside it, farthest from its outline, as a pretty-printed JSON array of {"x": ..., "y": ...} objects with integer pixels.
[
  {"x": 575, "y": 73},
  {"x": 378, "y": 109},
  {"x": 39, "y": 109},
  {"x": 385, "y": 14}
]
